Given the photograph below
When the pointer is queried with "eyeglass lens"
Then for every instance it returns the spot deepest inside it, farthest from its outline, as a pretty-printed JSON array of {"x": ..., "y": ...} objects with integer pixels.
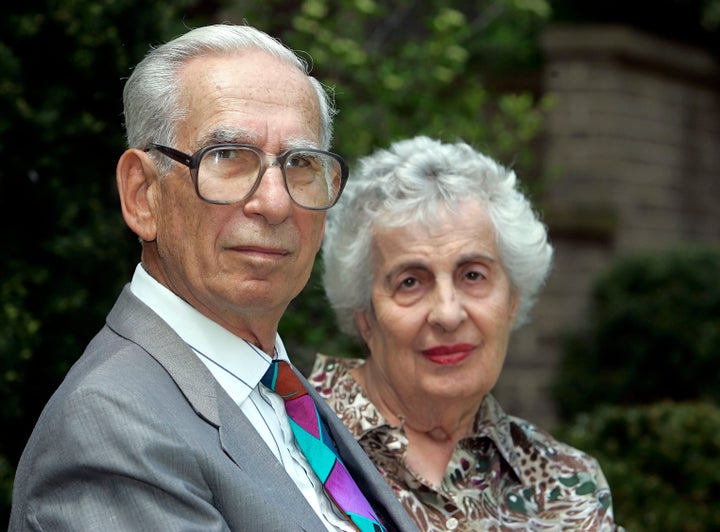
[{"x": 228, "y": 174}]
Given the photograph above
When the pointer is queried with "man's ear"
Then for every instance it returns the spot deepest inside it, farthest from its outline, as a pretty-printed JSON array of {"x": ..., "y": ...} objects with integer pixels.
[{"x": 135, "y": 175}]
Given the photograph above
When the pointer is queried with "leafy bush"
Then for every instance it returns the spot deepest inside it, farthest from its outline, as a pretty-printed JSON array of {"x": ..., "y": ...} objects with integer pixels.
[
  {"x": 654, "y": 334},
  {"x": 660, "y": 461},
  {"x": 399, "y": 69}
]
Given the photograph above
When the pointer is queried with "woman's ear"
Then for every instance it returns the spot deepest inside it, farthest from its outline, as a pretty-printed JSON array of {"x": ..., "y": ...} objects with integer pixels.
[
  {"x": 514, "y": 304},
  {"x": 362, "y": 320},
  {"x": 135, "y": 175}
]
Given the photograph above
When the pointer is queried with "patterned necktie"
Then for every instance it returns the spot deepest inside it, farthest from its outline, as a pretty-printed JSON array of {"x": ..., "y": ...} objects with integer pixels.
[{"x": 319, "y": 449}]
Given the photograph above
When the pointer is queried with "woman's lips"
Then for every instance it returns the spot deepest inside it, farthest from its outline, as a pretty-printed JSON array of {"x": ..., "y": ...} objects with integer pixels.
[{"x": 448, "y": 354}]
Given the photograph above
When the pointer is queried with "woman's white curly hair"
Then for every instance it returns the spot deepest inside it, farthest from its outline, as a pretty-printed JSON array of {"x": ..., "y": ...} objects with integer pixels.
[{"x": 408, "y": 183}]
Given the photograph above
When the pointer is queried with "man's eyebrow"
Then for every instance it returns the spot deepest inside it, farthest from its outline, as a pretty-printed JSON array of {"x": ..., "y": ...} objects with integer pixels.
[
  {"x": 300, "y": 143},
  {"x": 227, "y": 135}
]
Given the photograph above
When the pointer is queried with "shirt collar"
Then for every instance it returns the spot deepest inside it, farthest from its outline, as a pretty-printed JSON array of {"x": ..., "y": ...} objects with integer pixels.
[
  {"x": 236, "y": 364},
  {"x": 492, "y": 422}
]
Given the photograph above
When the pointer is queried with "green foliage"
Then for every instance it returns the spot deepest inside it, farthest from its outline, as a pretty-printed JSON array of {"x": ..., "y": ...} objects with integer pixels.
[
  {"x": 710, "y": 18},
  {"x": 404, "y": 68},
  {"x": 660, "y": 461},
  {"x": 640, "y": 390},
  {"x": 654, "y": 334}
]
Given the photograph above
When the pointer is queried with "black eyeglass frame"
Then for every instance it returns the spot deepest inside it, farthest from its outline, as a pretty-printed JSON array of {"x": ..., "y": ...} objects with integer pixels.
[{"x": 193, "y": 163}]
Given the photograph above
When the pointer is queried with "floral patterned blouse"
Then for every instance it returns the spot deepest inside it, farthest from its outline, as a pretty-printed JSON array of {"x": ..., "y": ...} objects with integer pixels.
[{"x": 509, "y": 475}]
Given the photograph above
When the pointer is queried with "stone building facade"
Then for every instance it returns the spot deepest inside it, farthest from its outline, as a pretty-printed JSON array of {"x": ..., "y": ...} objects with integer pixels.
[{"x": 631, "y": 161}]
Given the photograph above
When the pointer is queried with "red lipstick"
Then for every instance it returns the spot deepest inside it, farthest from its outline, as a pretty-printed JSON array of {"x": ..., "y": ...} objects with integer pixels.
[{"x": 448, "y": 354}]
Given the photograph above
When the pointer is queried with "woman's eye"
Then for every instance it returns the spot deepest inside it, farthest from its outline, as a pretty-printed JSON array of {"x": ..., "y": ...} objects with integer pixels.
[
  {"x": 408, "y": 283},
  {"x": 475, "y": 275}
]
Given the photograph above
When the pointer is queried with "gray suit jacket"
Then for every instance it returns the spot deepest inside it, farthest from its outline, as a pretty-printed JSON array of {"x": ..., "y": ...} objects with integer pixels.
[{"x": 140, "y": 436}]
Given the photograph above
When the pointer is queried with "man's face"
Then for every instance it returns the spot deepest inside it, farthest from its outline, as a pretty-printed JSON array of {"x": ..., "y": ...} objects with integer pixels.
[{"x": 239, "y": 264}]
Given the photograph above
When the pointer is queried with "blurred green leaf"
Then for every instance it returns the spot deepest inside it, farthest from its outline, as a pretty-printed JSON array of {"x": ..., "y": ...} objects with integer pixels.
[{"x": 660, "y": 461}]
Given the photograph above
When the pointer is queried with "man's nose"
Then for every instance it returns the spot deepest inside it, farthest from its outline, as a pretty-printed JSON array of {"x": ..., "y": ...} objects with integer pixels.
[{"x": 270, "y": 199}]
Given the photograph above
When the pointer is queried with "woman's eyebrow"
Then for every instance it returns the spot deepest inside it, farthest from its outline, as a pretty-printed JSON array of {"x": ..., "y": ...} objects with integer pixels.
[
  {"x": 409, "y": 265},
  {"x": 475, "y": 257}
]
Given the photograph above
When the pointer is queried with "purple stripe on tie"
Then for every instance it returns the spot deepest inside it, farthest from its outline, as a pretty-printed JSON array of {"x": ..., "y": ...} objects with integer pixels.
[
  {"x": 346, "y": 493},
  {"x": 302, "y": 411}
]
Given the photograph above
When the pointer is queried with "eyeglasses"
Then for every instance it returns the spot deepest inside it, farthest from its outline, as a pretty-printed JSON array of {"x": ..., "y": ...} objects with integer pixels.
[{"x": 230, "y": 173}]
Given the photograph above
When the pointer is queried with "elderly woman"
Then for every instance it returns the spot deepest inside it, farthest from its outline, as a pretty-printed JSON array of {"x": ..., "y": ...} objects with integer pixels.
[{"x": 433, "y": 257}]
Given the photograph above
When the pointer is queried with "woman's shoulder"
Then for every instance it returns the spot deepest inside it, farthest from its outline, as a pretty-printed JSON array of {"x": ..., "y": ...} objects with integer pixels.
[
  {"x": 566, "y": 460},
  {"x": 329, "y": 372},
  {"x": 332, "y": 379}
]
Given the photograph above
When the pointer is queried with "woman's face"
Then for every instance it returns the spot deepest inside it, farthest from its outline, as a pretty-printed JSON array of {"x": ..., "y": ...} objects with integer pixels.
[{"x": 443, "y": 309}]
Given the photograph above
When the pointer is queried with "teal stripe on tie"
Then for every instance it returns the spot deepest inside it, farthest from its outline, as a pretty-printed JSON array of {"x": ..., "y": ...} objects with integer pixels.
[
  {"x": 321, "y": 458},
  {"x": 364, "y": 524}
]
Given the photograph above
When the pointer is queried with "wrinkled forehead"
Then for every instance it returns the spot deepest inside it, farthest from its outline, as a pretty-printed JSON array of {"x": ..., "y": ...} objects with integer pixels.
[{"x": 250, "y": 91}]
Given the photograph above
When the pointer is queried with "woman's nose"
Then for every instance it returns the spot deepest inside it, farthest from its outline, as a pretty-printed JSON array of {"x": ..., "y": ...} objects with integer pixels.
[{"x": 448, "y": 310}]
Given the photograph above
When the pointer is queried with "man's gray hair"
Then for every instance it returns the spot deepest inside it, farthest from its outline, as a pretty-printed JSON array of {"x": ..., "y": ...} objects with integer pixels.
[{"x": 151, "y": 93}]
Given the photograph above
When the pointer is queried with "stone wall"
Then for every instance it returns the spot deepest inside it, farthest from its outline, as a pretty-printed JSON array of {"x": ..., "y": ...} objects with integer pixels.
[{"x": 631, "y": 160}]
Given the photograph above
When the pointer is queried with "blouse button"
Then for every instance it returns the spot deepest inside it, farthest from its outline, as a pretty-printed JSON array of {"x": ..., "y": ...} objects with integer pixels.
[{"x": 451, "y": 524}]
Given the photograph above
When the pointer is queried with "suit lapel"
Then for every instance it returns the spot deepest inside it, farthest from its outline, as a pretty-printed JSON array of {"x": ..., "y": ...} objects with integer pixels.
[
  {"x": 135, "y": 321},
  {"x": 132, "y": 319}
]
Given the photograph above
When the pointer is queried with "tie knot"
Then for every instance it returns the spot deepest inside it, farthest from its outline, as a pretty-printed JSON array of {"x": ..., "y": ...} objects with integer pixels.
[{"x": 281, "y": 378}]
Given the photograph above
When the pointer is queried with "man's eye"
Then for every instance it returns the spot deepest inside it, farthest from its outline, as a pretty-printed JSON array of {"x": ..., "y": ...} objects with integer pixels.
[
  {"x": 301, "y": 161},
  {"x": 225, "y": 154}
]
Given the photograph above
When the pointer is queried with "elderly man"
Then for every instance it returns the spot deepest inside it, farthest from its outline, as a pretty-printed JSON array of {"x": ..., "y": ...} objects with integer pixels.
[{"x": 177, "y": 416}]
